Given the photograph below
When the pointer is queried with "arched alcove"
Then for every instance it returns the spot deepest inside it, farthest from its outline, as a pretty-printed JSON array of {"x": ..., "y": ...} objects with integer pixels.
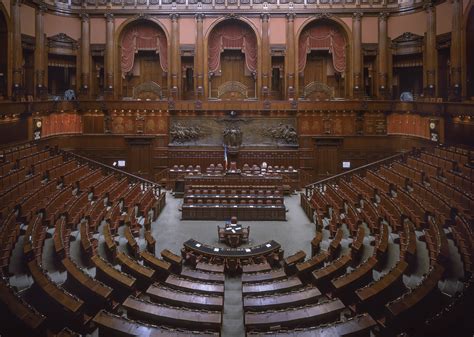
[
  {"x": 143, "y": 60},
  {"x": 323, "y": 60},
  {"x": 232, "y": 51},
  {"x": 3, "y": 56}
]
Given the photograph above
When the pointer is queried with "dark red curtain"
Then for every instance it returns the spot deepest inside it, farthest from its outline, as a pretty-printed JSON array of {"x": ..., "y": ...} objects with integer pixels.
[
  {"x": 323, "y": 37},
  {"x": 143, "y": 37},
  {"x": 234, "y": 36}
]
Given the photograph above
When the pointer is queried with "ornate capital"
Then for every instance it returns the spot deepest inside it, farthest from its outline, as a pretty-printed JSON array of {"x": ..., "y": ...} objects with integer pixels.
[
  {"x": 42, "y": 8},
  {"x": 324, "y": 15},
  {"x": 357, "y": 16},
  {"x": 428, "y": 7},
  {"x": 199, "y": 16},
  {"x": 383, "y": 16},
  {"x": 109, "y": 17},
  {"x": 290, "y": 16},
  {"x": 265, "y": 17},
  {"x": 84, "y": 17},
  {"x": 174, "y": 16},
  {"x": 231, "y": 15},
  {"x": 143, "y": 16}
]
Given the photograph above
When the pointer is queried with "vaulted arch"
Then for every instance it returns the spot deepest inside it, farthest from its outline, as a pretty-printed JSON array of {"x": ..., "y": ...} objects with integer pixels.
[
  {"x": 142, "y": 59},
  {"x": 323, "y": 59},
  {"x": 233, "y": 59}
]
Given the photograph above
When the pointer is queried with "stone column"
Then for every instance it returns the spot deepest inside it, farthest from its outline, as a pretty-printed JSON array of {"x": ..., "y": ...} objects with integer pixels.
[
  {"x": 109, "y": 54},
  {"x": 85, "y": 55},
  {"x": 383, "y": 90},
  {"x": 199, "y": 58},
  {"x": 357, "y": 66},
  {"x": 40, "y": 65},
  {"x": 266, "y": 61},
  {"x": 174, "y": 64},
  {"x": 290, "y": 56},
  {"x": 17, "y": 50},
  {"x": 455, "y": 58},
  {"x": 430, "y": 57}
]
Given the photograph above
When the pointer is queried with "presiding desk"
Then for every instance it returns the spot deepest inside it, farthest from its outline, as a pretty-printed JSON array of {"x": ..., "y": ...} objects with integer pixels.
[
  {"x": 232, "y": 253},
  {"x": 233, "y": 234}
]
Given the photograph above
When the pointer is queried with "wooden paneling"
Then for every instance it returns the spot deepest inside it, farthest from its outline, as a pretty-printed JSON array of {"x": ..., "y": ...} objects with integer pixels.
[
  {"x": 459, "y": 131},
  {"x": 14, "y": 131}
]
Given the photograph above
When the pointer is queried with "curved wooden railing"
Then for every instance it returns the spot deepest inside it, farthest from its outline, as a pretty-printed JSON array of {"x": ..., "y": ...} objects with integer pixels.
[
  {"x": 145, "y": 183},
  {"x": 320, "y": 183}
]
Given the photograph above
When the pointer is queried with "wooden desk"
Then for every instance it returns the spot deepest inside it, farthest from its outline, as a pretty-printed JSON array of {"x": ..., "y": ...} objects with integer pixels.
[
  {"x": 335, "y": 245},
  {"x": 304, "y": 269},
  {"x": 110, "y": 245},
  {"x": 316, "y": 243},
  {"x": 161, "y": 267},
  {"x": 291, "y": 261},
  {"x": 26, "y": 314},
  {"x": 203, "y": 276},
  {"x": 94, "y": 292},
  {"x": 377, "y": 293},
  {"x": 358, "y": 244},
  {"x": 235, "y": 253},
  {"x": 176, "y": 261},
  {"x": 176, "y": 282},
  {"x": 132, "y": 244},
  {"x": 344, "y": 285},
  {"x": 150, "y": 242},
  {"x": 56, "y": 295},
  {"x": 143, "y": 274},
  {"x": 272, "y": 287},
  {"x": 324, "y": 275},
  {"x": 233, "y": 234},
  {"x": 283, "y": 300},
  {"x": 163, "y": 294},
  {"x": 256, "y": 267},
  {"x": 311, "y": 314},
  {"x": 156, "y": 313},
  {"x": 114, "y": 325},
  {"x": 209, "y": 267},
  {"x": 123, "y": 284},
  {"x": 272, "y": 275},
  {"x": 242, "y": 211},
  {"x": 403, "y": 310},
  {"x": 356, "y": 326}
]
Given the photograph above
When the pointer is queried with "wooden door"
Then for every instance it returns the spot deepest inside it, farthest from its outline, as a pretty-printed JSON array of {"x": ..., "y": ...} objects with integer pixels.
[
  {"x": 327, "y": 157},
  {"x": 139, "y": 156}
]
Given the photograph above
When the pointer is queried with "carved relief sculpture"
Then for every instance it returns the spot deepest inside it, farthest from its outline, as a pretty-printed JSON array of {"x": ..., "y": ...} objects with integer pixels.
[
  {"x": 232, "y": 137},
  {"x": 282, "y": 133},
  {"x": 180, "y": 133}
]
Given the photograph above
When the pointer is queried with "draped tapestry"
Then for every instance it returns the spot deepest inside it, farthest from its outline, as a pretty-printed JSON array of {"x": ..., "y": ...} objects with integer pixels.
[
  {"x": 143, "y": 37},
  {"x": 323, "y": 37},
  {"x": 234, "y": 36}
]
